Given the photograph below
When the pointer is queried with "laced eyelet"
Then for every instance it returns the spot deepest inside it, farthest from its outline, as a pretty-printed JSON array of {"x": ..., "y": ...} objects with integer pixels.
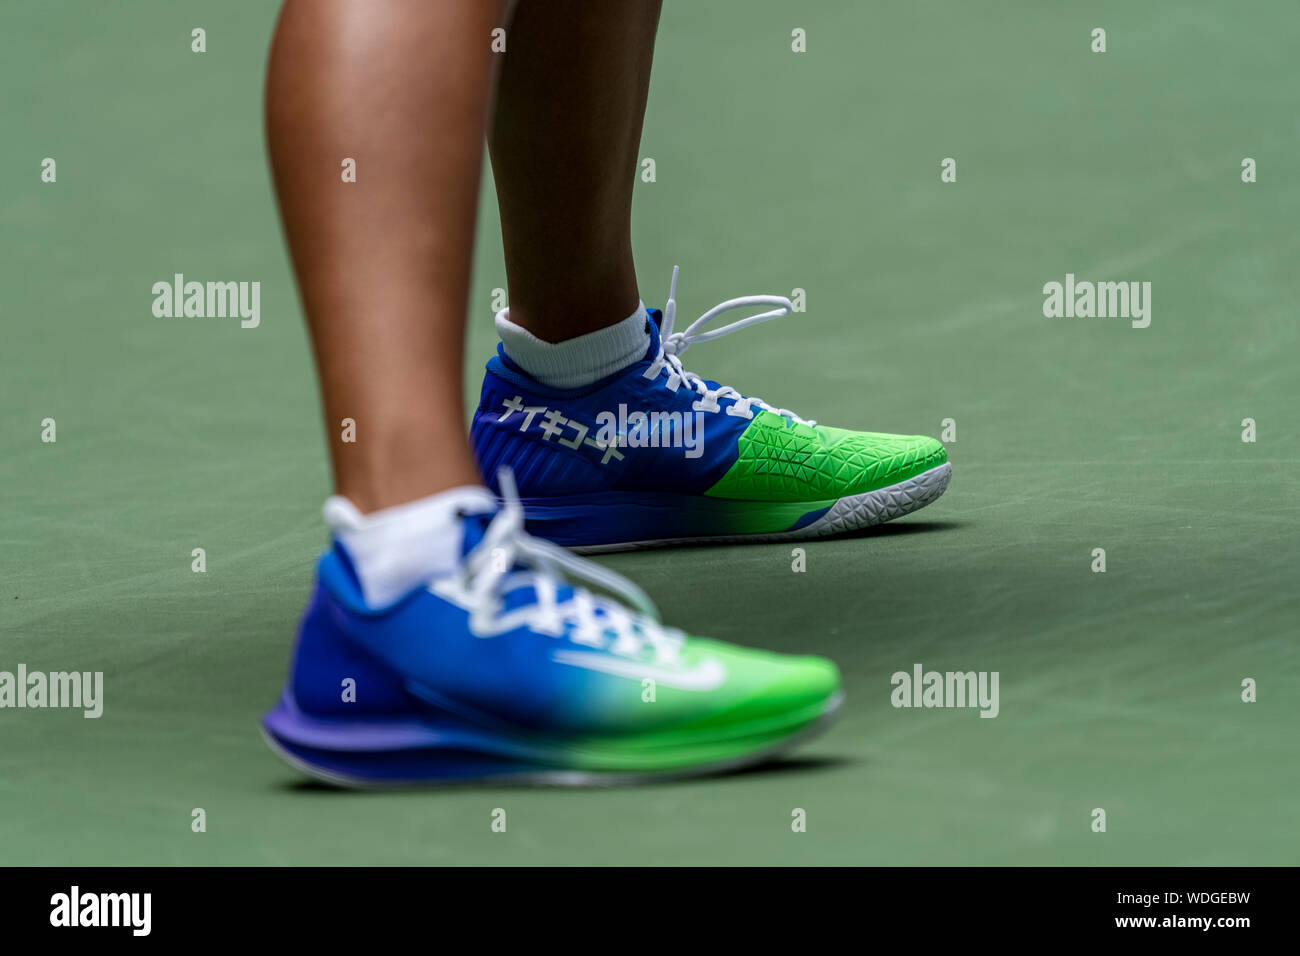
[{"x": 672, "y": 345}]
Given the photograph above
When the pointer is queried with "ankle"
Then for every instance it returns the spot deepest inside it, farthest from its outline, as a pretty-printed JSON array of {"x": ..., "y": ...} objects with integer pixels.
[
  {"x": 580, "y": 360},
  {"x": 397, "y": 549},
  {"x": 393, "y": 481}
]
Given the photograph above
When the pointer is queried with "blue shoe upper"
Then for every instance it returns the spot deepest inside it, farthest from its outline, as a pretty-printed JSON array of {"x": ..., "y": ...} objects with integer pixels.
[
  {"x": 562, "y": 441},
  {"x": 494, "y": 644},
  {"x": 400, "y": 669}
]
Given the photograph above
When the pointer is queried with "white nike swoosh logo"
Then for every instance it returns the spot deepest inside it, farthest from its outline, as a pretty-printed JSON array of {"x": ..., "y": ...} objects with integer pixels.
[{"x": 709, "y": 674}]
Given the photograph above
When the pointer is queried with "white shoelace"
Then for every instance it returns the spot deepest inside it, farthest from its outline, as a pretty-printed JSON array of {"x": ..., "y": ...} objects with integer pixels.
[
  {"x": 491, "y": 571},
  {"x": 673, "y": 344}
]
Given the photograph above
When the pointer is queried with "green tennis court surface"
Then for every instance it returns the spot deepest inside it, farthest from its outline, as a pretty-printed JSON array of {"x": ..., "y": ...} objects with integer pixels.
[{"x": 775, "y": 170}]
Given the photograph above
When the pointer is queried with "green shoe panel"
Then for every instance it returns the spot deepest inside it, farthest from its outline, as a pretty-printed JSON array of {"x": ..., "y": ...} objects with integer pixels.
[
  {"x": 764, "y": 698},
  {"x": 779, "y": 460}
]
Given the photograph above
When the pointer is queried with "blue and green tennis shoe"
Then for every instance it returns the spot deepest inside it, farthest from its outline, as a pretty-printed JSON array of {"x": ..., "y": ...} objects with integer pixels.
[
  {"x": 510, "y": 668},
  {"x": 656, "y": 455}
]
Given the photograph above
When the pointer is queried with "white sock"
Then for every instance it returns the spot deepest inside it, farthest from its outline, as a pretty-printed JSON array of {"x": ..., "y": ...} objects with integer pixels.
[
  {"x": 578, "y": 361},
  {"x": 395, "y": 550}
]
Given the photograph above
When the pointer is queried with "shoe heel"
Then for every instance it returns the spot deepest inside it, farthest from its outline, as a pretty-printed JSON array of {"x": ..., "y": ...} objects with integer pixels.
[{"x": 330, "y": 677}]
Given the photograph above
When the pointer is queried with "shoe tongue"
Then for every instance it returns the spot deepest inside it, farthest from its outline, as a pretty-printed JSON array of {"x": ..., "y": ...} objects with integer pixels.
[
  {"x": 473, "y": 527},
  {"x": 652, "y": 326}
]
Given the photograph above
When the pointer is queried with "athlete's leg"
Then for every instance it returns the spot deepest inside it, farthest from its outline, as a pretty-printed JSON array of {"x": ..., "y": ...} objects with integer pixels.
[
  {"x": 403, "y": 87},
  {"x": 564, "y": 149},
  {"x": 466, "y": 656},
  {"x": 570, "y": 101}
]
